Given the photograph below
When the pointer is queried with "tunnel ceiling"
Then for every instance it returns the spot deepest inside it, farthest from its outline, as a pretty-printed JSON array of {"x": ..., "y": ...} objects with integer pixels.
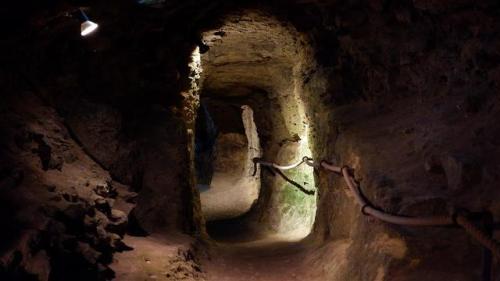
[{"x": 250, "y": 51}]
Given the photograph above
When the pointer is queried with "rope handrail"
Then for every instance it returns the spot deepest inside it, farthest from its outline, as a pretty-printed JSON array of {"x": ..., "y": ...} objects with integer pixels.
[
  {"x": 367, "y": 208},
  {"x": 458, "y": 218},
  {"x": 278, "y": 169},
  {"x": 281, "y": 167},
  {"x": 294, "y": 183}
]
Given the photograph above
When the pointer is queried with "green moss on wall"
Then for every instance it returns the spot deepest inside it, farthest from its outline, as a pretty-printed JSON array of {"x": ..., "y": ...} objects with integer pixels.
[{"x": 297, "y": 209}]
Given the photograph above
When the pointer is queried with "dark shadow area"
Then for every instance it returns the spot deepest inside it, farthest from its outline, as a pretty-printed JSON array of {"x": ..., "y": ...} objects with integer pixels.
[
  {"x": 10, "y": 206},
  {"x": 235, "y": 230},
  {"x": 206, "y": 135}
]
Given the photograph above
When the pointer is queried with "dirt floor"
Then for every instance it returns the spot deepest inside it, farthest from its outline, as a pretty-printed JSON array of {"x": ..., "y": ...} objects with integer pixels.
[
  {"x": 228, "y": 196},
  {"x": 275, "y": 258},
  {"x": 157, "y": 258},
  {"x": 230, "y": 258}
]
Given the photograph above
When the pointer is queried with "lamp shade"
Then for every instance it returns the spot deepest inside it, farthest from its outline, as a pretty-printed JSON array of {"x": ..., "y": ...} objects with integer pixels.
[{"x": 88, "y": 27}]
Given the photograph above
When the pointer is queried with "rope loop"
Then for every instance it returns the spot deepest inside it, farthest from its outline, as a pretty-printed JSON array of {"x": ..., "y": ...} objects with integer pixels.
[
  {"x": 323, "y": 161},
  {"x": 363, "y": 210},
  {"x": 459, "y": 212},
  {"x": 345, "y": 167}
]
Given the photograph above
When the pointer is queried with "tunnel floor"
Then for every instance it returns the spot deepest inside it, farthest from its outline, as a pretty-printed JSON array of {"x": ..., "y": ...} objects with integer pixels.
[
  {"x": 228, "y": 196},
  {"x": 232, "y": 258},
  {"x": 270, "y": 258},
  {"x": 243, "y": 252},
  {"x": 274, "y": 258}
]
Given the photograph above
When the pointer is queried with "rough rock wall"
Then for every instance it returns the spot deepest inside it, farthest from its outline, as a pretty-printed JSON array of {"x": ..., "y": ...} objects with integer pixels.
[
  {"x": 112, "y": 104},
  {"x": 63, "y": 214},
  {"x": 414, "y": 99},
  {"x": 119, "y": 93}
]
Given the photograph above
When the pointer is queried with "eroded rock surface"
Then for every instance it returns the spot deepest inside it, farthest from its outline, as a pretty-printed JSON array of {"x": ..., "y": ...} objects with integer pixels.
[{"x": 61, "y": 219}]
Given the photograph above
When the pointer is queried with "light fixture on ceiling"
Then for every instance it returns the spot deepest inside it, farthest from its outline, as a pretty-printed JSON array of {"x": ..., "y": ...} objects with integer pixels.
[{"x": 87, "y": 26}]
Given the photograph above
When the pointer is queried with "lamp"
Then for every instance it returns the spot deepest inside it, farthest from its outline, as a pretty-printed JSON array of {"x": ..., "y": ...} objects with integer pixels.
[{"x": 87, "y": 26}]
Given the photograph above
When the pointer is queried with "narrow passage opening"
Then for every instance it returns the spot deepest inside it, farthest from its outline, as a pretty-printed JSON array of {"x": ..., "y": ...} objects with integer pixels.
[{"x": 251, "y": 107}]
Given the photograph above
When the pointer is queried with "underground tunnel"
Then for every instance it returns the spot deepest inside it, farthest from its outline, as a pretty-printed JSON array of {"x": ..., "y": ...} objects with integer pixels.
[
  {"x": 251, "y": 107},
  {"x": 249, "y": 140}
]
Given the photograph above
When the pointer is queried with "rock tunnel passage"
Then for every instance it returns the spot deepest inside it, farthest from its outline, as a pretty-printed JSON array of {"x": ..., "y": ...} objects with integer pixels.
[
  {"x": 224, "y": 154},
  {"x": 251, "y": 107},
  {"x": 128, "y": 153}
]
